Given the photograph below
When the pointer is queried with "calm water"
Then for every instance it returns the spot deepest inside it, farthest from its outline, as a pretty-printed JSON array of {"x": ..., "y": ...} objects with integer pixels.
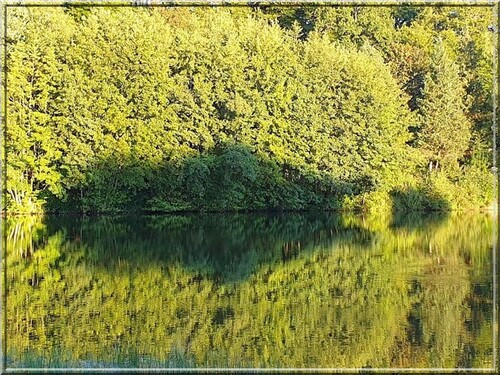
[{"x": 250, "y": 290}]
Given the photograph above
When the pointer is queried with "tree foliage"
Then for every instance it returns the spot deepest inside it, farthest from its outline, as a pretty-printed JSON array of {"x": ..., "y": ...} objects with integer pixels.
[
  {"x": 444, "y": 132},
  {"x": 167, "y": 109}
]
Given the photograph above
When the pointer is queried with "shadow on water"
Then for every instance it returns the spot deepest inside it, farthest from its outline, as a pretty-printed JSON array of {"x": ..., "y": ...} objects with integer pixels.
[
  {"x": 223, "y": 247},
  {"x": 219, "y": 246},
  {"x": 417, "y": 219}
]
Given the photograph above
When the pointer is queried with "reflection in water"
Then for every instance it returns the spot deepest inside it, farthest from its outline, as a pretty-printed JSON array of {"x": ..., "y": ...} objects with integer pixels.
[{"x": 250, "y": 290}]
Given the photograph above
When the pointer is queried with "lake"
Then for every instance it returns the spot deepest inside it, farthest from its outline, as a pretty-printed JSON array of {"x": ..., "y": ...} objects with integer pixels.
[{"x": 282, "y": 290}]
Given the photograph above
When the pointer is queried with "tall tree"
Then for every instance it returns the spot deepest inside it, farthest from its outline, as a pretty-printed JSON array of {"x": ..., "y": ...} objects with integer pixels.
[{"x": 445, "y": 131}]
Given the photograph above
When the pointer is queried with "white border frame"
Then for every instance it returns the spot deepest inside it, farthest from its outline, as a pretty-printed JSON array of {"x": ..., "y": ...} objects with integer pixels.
[{"x": 4, "y": 4}]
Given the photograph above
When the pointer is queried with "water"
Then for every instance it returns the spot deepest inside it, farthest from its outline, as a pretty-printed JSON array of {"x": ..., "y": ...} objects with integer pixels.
[{"x": 312, "y": 290}]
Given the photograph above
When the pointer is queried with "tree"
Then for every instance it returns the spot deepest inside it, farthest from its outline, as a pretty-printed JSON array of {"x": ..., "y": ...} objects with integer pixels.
[{"x": 444, "y": 129}]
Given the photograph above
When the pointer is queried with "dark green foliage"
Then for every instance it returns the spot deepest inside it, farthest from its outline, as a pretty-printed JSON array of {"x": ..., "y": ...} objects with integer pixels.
[
  {"x": 404, "y": 15},
  {"x": 418, "y": 199}
]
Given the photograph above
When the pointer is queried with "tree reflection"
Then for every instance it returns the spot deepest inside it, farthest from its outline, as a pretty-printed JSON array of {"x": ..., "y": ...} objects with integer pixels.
[{"x": 249, "y": 290}]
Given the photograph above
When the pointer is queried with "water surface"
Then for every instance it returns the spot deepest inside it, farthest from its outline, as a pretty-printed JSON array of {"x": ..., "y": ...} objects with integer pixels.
[{"x": 308, "y": 290}]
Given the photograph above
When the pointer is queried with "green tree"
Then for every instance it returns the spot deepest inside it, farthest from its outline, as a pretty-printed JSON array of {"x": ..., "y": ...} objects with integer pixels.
[
  {"x": 29, "y": 144},
  {"x": 109, "y": 106},
  {"x": 445, "y": 131}
]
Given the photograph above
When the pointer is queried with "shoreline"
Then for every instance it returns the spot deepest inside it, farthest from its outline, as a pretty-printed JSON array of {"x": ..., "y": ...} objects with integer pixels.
[{"x": 491, "y": 209}]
